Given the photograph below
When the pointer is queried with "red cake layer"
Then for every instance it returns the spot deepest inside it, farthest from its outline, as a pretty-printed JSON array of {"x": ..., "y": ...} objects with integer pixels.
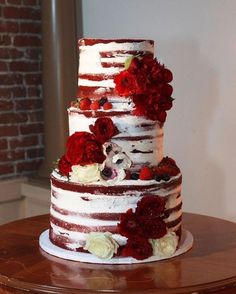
[
  {"x": 90, "y": 41},
  {"x": 116, "y": 190}
]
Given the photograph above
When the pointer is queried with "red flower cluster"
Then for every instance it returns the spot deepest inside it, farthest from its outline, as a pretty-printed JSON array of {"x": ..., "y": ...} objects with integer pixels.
[
  {"x": 104, "y": 129},
  {"x": 147, "y": 81},
  {"x": 85, "y": 148},
  {"x": 143, "y": 224},
  {"x": 82, "y": 148}
]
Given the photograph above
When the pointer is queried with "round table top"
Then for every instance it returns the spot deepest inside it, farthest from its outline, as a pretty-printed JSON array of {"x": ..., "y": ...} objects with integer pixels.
[{"x": 209, "y": 266}]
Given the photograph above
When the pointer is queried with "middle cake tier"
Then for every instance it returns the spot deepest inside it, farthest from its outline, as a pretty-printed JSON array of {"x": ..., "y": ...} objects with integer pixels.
[{"x": 141, "y": 139}]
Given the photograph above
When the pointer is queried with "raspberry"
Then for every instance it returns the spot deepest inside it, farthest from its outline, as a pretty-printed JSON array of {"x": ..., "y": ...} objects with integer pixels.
[
  {"x": 84, "y": 104},
  {"x": 107, "y": 106},
  {"x": 95, "y": 105},
  {"x": 146, "y": 173}
]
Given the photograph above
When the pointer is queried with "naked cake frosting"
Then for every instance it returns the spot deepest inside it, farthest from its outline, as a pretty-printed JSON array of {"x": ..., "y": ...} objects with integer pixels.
[{"x": 114, "y": 194}]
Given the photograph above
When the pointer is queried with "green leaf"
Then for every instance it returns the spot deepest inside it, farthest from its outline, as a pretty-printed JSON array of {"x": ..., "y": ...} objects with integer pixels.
[{"x": 128, "y": 62}]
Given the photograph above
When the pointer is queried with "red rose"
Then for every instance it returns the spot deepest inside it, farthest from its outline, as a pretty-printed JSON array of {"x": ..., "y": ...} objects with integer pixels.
[
  {"x": 126, "y": 83},
  {"x": 83, "y": 149},
  {"x": 150, "y": 206},
  {"x": 147, "y": 62},
  {"x": 154, "y": 228},
  {"x": 64, "y": 166},
  {"x": 104, "y": 129},
  {"x": 159, "y": 115},
  {"x": 138, "y": 248},
  {"x": 140, "y": 101},
  {"x": 157, "y": 73},
  {"x": 166, "y": 90},
  {"x": 142, "y": 85},
  {"x": 167, "y": 75},
  {"x": 129, "y": 225},
  {"x": 134, "y": 66}
]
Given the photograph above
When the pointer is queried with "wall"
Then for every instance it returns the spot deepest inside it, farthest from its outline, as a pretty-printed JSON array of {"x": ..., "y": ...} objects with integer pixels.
[
  {"x": 21, "y": 116},
  {"x": 197, "y": 40}
]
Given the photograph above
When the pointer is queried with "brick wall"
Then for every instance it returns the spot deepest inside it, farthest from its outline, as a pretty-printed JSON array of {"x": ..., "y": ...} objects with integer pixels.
[{"x": 21, "y": 116}]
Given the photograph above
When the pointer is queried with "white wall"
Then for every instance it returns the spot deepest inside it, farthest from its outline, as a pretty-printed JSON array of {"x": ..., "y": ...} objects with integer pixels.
[{"x": 197, "y": 40}]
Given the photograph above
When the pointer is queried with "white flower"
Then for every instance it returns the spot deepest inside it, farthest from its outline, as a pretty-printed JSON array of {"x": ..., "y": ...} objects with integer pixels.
[
  {"x": 113, "y": 168},
  {"x": 110, "y": 149},
  {"x": 165, "y": 246},
  {"x": 121, "y": 160},
  {"x": 101, "y": 245},
  {"x": 85, "y": 174},
  {"x": 116, "y": 176}
]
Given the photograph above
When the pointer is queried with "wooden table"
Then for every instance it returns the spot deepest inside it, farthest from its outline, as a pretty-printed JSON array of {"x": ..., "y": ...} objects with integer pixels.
[{"x": 209, "y": 267}]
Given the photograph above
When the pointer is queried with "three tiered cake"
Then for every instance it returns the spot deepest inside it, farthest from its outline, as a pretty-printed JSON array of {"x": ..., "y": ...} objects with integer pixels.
[{"x": 114, "y": 197}]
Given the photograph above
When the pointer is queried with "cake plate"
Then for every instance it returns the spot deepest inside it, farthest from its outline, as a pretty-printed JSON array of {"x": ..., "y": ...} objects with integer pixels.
[{"x": 186, "y": 243}]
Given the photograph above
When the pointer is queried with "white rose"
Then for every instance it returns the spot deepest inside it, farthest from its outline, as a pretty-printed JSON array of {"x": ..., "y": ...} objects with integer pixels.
[
  {"x": 101, "y": 244},
  {"x": 85, "y": 174},
  {"x": 165, "y": 246}
]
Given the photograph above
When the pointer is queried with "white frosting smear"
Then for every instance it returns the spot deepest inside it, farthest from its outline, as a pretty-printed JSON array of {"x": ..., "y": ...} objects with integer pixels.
[{"x": 91, "y": 61}]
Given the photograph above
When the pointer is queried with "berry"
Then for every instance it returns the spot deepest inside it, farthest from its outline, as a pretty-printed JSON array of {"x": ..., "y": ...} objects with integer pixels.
[
  {"x": 146, "y": 173},
  {"x": 102, "y": 101},
  {"x": 95, "y": 105},
  {"x": 107, "y": 106},
  {"x": 134, "y": 176},
  {"x": 158, "y": 177},
  {"x": 165, "y": 177},
  {"x": 84, "y": 104}
]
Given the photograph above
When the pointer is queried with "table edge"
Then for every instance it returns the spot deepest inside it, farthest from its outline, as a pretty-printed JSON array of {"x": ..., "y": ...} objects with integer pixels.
[{"x": 213, "y": 286}]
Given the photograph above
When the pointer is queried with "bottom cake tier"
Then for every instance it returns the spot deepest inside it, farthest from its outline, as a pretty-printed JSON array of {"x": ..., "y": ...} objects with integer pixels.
[{"x": 134, "y": 218}]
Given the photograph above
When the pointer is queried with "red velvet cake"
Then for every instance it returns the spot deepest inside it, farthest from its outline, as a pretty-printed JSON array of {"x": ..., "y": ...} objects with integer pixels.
[{"x": 114, "y": 194}]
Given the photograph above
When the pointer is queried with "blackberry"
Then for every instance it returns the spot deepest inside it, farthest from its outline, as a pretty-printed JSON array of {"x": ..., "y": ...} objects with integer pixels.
[
  {"x": 102, "y": 101},
  {"x": 158, "y": 178},
  {"x": 165, "y": 177},
  {"x": 134, "y": 176}
]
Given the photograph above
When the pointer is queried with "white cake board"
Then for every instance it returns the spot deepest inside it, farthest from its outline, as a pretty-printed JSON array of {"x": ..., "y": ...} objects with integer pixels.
[{"x": 186, "y": 243}]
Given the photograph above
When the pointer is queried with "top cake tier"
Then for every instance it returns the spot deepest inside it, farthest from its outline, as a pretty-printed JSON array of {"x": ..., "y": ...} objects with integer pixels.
[{"x": 101, "y": 60}]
